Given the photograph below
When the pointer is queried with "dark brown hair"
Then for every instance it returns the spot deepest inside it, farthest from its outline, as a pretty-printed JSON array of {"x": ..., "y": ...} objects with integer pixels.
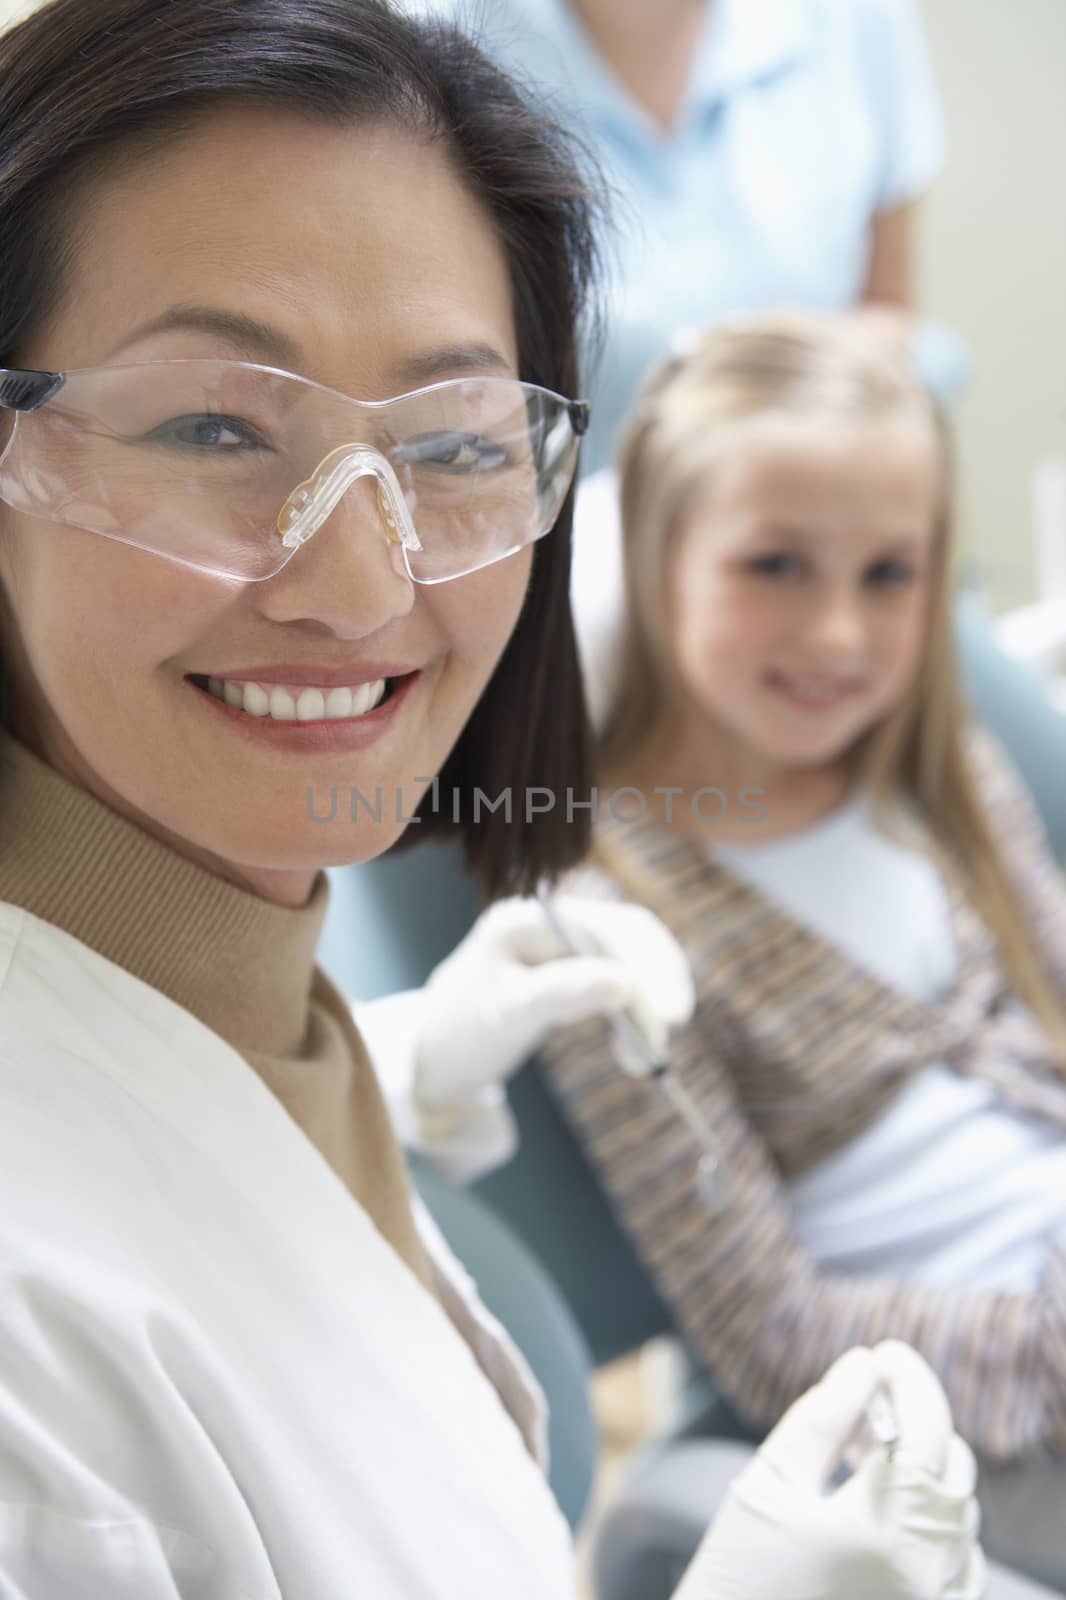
[{"x": 86, "y": 84}]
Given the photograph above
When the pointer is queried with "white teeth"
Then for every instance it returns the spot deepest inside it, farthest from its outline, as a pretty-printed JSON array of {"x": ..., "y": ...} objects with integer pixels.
[
  {"x": 282, "y": 706},
  {"x": 339, "y": 703},
  {"x": 256, "y": 700},
  {"x": 311, "y": 706},
  {"x": 303, "y": 705}
]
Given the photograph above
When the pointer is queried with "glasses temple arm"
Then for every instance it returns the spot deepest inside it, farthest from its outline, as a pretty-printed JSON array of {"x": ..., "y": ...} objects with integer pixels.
[
  {"x": 22, "y": 390},
  {"x": 579, "y": 416}
]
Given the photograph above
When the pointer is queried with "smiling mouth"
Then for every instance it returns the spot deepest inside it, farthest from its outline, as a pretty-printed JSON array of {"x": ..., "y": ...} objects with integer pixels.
[
  {"x": 813, "y": 693},
  {"x": 294, "y": 703}
]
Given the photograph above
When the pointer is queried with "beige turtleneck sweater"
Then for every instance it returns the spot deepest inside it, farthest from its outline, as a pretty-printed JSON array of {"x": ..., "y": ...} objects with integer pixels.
[{"x": 242, "y": 965}]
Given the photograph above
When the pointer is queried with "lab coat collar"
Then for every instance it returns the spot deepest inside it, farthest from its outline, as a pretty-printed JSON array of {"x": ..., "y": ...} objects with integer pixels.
[{"x": 62, "y": 998}]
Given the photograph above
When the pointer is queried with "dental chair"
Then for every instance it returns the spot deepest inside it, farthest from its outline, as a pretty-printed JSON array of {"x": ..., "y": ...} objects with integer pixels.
[{"x": 546, "y": 1204}]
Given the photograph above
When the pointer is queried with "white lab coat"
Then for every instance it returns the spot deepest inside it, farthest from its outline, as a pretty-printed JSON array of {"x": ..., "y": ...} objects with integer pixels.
[{"x": 216, "y": 1379}]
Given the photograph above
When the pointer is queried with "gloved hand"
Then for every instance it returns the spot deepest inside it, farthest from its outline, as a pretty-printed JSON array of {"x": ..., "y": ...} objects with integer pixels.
[
  {"x": 510, "y": 982},
  {"x": 902, "y": 1527}
]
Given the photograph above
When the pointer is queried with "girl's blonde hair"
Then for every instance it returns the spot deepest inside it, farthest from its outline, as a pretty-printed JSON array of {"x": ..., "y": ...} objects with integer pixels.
[{"x": 786, "y": 364}]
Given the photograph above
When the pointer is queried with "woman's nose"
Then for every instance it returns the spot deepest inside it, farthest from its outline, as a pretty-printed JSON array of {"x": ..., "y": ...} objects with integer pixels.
[{"x": 349, "y": 574}]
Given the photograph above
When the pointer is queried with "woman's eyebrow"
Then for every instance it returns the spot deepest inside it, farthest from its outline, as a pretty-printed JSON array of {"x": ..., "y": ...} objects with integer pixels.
[
  {"x": 261, "y": 339},
  {"x": 475, "y": 357},
  {"x": 238, "y": 329}
]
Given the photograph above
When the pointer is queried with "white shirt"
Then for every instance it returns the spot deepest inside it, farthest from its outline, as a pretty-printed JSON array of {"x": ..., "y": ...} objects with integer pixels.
[
  {"x": 949, "y": 1185},
  {"x": 216, "y": 1378}
]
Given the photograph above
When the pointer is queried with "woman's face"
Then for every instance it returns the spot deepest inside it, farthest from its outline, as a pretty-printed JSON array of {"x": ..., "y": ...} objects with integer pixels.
[
  {"x": 800, "y": 582},
  {"x": 360, "y": 251}
]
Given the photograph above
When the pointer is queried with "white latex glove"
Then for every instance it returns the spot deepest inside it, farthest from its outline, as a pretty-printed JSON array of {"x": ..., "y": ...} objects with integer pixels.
[
  {"x": 509, "y": 983},
  {"x": 902, "y": 1527}
]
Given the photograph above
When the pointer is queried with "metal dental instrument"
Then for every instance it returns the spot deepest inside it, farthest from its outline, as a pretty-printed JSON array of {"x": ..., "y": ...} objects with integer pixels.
[
  {"x": 637, "y": 1058},
  {"x": 876, "y": 1429},
  {"x": 881, "y": 1416}
]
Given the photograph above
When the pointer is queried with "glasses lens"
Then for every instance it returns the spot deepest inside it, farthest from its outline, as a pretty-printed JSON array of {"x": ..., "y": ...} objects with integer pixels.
[
  {"x": 194, "y": 460},
  {"x": 484, "y": 464},
  {"x": 188, "y": 459}
]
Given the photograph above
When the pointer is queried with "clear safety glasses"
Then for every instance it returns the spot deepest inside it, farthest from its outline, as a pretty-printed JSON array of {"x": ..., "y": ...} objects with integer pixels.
[{"x": 230, "y": 467}]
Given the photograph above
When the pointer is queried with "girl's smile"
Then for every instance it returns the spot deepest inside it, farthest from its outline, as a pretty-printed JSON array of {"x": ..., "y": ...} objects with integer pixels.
[{"x": 813, "y": 694}]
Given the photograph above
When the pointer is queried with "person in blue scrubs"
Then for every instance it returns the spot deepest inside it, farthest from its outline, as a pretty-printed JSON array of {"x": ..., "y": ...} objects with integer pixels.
[{"x": 763, "y": 152}]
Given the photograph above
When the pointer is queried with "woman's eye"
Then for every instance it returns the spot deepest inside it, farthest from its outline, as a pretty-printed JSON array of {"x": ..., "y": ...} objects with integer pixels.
[
  {"x": 208, "y": 431},
  {"x": 890, "y": 574},
  {"x": 778, "y": 564},
  {"x": 451, "y": 452}
]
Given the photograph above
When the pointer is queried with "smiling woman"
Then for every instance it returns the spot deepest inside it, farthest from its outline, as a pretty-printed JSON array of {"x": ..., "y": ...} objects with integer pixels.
[
  {"x": 289, "y": 415},
  {"x": 144, "y": 238}
]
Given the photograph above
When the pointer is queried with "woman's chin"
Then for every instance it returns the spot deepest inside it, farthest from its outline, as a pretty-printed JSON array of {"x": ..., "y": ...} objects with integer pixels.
[
  {"x": 330, "y": 843},
  {"x": 280, "y": 855}
]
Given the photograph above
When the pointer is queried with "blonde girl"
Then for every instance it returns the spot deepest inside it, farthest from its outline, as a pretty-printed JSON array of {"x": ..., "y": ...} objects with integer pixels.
[{"x": 877, "y": 931}]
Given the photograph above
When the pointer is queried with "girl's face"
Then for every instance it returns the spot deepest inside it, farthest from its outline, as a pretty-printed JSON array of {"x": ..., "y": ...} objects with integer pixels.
[
  {"x": 799, "y": 584},
  {"x": 369, "y": 269}
]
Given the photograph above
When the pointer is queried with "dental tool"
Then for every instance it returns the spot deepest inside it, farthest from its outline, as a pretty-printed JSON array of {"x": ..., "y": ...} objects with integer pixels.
[
  {"x": 637, "y": 1058},
  {"x": 881, "y": 1416},
  {"x": 876, "y": 1428}
]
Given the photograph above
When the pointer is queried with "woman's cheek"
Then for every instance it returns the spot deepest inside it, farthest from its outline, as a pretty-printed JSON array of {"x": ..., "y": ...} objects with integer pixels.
[{"x": 476, "y": 615}]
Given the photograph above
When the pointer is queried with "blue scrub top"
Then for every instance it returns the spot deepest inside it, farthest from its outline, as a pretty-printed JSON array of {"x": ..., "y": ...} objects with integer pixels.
[{"x": 802, "y": 118}]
